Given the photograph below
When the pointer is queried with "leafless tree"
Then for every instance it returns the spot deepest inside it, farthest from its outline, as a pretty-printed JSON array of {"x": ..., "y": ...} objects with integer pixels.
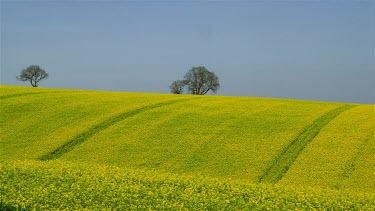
[{"x": 33, "y": 74}]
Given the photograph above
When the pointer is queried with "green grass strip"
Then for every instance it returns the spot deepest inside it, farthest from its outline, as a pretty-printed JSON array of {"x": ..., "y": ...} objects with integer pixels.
[
  {"x": 70, "y": 145},
  {"x": 289, "y": 154}
]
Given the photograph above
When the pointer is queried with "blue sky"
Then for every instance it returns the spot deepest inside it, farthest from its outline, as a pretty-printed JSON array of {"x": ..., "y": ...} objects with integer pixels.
[{"x": 321, "y": 50}]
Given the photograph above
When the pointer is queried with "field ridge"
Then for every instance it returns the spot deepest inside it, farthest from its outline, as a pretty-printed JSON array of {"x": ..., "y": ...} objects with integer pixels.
[
  {"x": 80, "y": 138},
  {"x": 286, "y": 158}
]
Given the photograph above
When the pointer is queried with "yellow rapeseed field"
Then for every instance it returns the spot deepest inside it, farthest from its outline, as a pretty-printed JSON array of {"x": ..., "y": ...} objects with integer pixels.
[
  {"x": 66, "y": 185},
  {"x": 103, "y": 150},
  {"x": 341, "y": 156}
]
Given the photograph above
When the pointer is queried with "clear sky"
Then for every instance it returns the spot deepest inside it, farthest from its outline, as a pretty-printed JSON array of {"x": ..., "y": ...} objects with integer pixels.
[{"x": 321, "y": 50}]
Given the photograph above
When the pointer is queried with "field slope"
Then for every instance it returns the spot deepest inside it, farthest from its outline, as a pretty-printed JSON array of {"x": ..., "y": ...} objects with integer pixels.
[{"x": 250, "y": 139}]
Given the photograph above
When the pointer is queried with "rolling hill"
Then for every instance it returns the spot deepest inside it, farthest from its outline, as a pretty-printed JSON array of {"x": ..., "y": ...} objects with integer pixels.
[{"x": 263, "y": 142}]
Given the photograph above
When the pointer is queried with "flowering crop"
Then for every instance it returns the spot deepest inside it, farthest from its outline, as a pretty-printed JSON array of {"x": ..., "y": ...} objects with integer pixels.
[
  {"x": 235, "y": 137},
  {"x": 66, "y": 185},
  {"x": 35, "y": 124},
  {"x": 215, "y": 136},
  {"x": 341, "y": 156},
  {"x": 92, "y": 142}
]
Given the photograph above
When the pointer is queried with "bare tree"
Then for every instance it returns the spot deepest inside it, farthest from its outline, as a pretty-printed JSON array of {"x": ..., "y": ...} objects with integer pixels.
[
  {"x": 177, "y": 87},
  {"x": 33, "y": 74},
  {"x": 199, "y": 81}
]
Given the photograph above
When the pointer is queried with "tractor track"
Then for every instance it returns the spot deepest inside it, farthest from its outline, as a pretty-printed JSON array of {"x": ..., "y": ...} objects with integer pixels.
[
  {"x": 20, "y": 95},
  {"x": 289, "y": 154},
  {"x": 79, "y": 139}
]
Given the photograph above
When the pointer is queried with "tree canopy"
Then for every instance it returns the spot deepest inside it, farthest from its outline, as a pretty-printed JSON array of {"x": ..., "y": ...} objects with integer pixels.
[
  {"x": 177, "y": 87},
  {"x": 199, "y": 81}
]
